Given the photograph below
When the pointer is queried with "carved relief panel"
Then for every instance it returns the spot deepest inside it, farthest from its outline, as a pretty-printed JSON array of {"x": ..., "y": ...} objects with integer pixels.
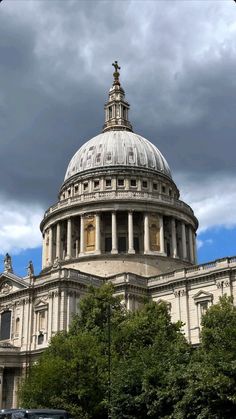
[
  {"x": 154, "y": 232},
  {"x": 90, "y": 228}
]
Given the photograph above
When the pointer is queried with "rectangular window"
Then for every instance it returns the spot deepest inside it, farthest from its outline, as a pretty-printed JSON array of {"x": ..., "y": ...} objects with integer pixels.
[
  {"x": 145, "y": 184},
  {"x": 108, "y": 183},
  {"x": 120, "y": 182},
  {"x": 76, "y": 188},
  {"x": 96, "y": 184},
  {"x": 42, "y": 318},
  {"x": 133, "y": 182},
  {"x": 203, "y": 308},
  {"x": 85, "y": 186},
  {"x": 155, "y": 186},
  {"x": 170, "y": 192},
  {"x": 163, "y": 189}
]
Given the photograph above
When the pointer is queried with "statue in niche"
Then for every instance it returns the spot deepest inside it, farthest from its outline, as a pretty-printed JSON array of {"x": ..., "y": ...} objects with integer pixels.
[
  {"x": 7, "y": 263},
  {"x": 154, "y": 234},
  {"x": 90, "y": 235},
  {"x": 30, "y": 269}
]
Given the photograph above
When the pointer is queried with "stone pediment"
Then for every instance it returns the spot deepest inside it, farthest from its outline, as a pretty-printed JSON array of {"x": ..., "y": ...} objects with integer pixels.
[
  {"x": 202, "y": 296},
  {"x": 40, "y": 303},
  {"x": 10, "y": 283}
]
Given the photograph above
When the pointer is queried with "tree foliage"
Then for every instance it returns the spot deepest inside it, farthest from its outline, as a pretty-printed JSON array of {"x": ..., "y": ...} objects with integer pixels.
[
  {"x": 211, "y": 374},
  {"x": 155, "y": 373}
]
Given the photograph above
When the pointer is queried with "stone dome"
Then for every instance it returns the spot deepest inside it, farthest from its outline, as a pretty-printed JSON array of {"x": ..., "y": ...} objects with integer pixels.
[{"x": 117, "y": 148}]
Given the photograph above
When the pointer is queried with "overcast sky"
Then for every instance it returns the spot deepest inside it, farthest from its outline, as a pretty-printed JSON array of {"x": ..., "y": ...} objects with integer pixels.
[{"x": 178, "y": 61}]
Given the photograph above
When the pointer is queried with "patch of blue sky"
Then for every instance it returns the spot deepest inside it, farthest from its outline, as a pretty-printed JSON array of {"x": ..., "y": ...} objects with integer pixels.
[
  {"x": 216, "y": 243},
  {"x": 20, "y": 261}
]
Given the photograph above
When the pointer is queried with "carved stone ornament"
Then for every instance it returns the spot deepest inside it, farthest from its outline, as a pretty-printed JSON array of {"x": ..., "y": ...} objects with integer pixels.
[
  {"x": 223, "y": 283},
  {"x": 180, "y": 292},
  {"x": 227, "y": 283},
  {"x": 5, "y": 288}
]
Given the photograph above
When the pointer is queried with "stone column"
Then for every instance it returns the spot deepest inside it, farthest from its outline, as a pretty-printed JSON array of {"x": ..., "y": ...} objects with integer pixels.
[
  {"x": 195, "y": 248},
  {"x": 173, "y": 238},
  {"x": 130, "y": 233},
  {"x": 69, "y": 239},
  {"x": 50, "y": 246},
  {"x": 146, "y": 234},
  {"x": 81, "y": 235},
  {"x": 114, "y": 249},
  {"x": 98, "y": 234},
  {"x": 58, "y": 241},
  {"x": 191, "y": 251},
  {"x": 1, "y": 385},
  {"x": 76, "y": 248},
  {"x": 162, "y": 244},
  {"x": 44, "y": 251},
  {"x": 184, "y": 247},
  {"x": 15, "y": 388}
]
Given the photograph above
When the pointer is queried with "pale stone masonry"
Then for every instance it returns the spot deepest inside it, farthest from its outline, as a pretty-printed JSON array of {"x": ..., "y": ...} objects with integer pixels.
[{"x": 119, "y": 218}]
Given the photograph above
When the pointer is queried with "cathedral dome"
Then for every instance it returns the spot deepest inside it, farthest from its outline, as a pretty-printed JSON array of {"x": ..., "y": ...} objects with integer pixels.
[
  {"x": 117, "y": 148},
  {"x": 118, "y": 209}
]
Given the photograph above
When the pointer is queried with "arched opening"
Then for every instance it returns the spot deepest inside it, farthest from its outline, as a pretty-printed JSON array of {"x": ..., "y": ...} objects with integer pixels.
[{"x": 5, "y": 329}]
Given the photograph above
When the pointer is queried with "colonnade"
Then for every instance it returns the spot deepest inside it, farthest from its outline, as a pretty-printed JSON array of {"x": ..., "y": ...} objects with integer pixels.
[{"x": 164, "y": 236}]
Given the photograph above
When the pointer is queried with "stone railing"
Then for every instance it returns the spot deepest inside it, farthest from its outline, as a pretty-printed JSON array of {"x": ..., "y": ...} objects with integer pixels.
[
  {"x": 128, "y": 278},
  {"x": 118, "y": 195},
  {"x": 185, "y": 273}
]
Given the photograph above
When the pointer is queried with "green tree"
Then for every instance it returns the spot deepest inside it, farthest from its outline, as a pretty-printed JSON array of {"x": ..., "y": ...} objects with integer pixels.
[
  {"x": 151, "y": 355},
  {"x": 211, "y": 374},
  {"x": 73, "y": 372},
  {"x": 148, "y": 355}
]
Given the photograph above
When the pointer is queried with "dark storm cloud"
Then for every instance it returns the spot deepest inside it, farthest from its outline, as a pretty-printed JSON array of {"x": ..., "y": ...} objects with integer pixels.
[{"x": 55, "y": 70}]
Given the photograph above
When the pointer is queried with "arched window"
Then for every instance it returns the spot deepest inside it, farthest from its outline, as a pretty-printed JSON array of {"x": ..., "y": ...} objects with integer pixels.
[{"x": 5, "y": 328}]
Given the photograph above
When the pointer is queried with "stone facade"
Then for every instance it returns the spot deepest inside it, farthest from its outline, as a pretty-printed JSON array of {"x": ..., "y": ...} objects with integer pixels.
[{"x": 118, "y": 218}]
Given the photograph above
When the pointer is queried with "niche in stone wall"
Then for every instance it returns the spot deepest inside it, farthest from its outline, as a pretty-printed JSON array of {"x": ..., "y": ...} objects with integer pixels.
[
  {"x": 154, "y": 230},
  {"x": 90, "y": 234}
]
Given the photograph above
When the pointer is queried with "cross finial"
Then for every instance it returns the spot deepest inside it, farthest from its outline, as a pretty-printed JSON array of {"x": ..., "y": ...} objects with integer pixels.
[
  {"x": 115, "y": 64},
  {"x": 116, "y": 72}
]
